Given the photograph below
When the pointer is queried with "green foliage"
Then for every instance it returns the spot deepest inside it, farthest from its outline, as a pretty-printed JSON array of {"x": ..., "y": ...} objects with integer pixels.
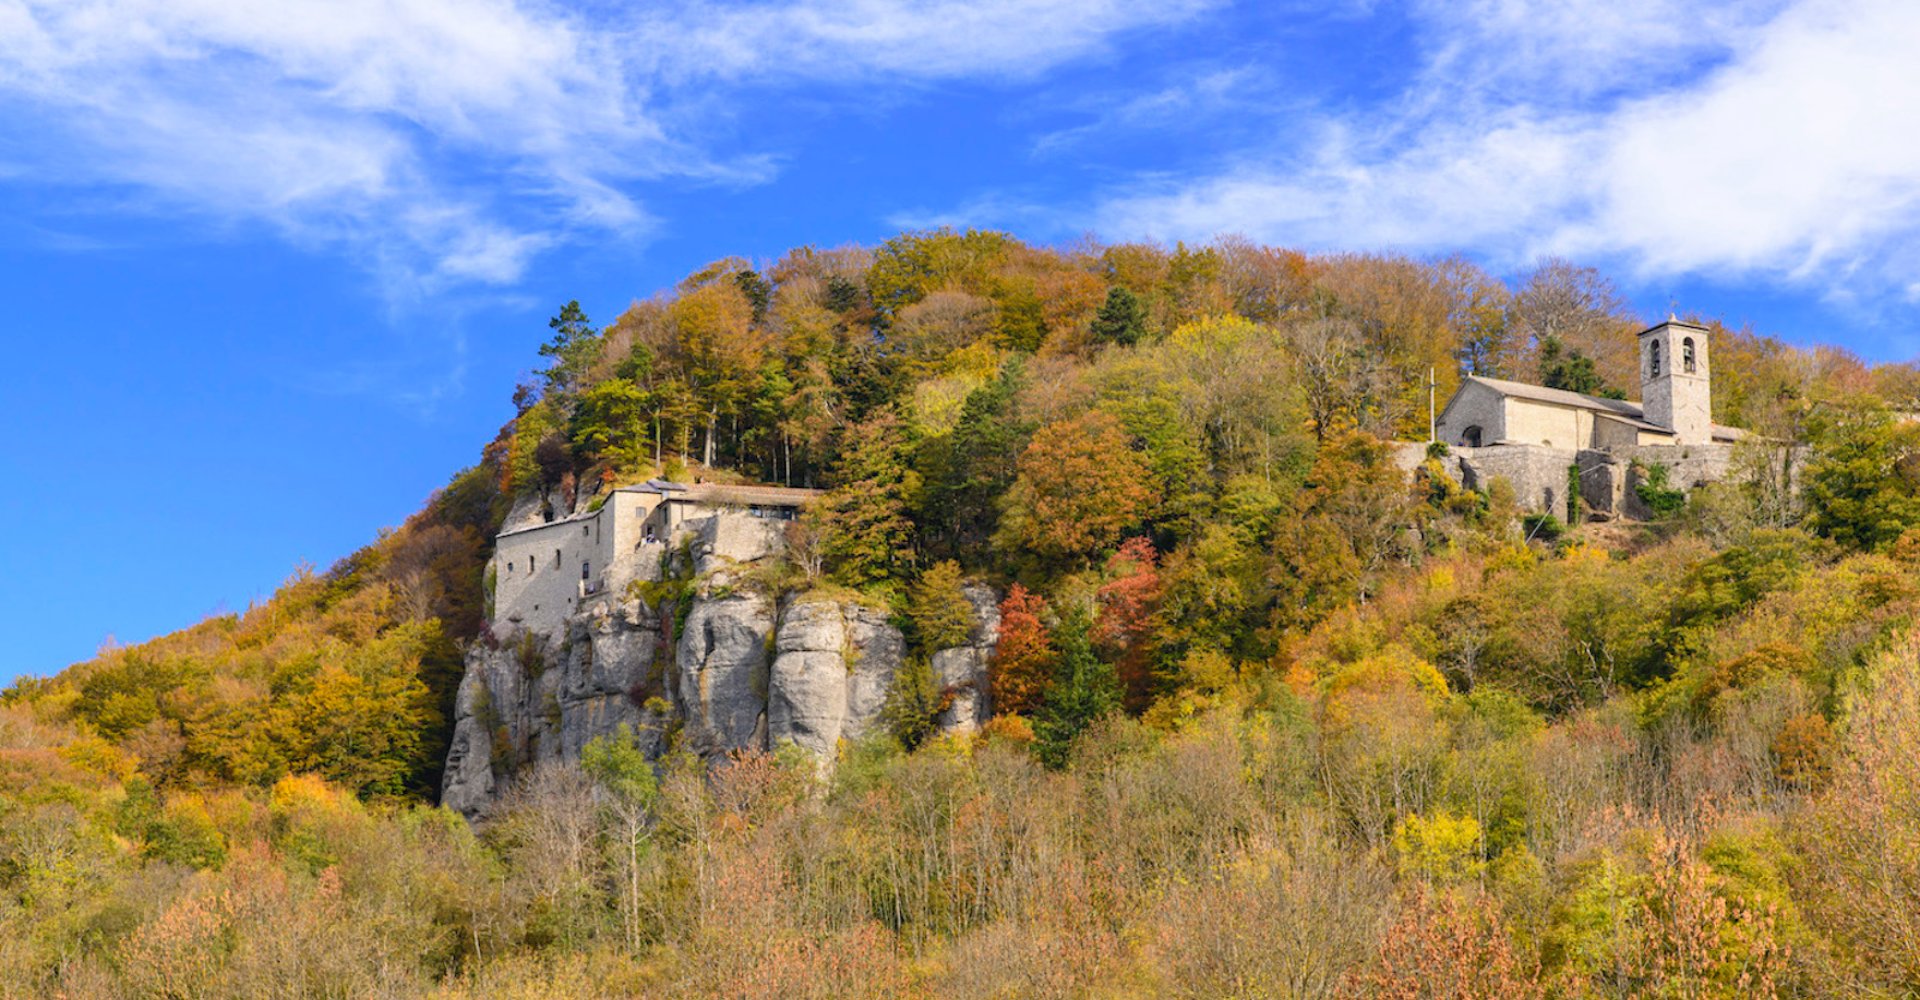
[
  {"x": 1543, "y": 528},
  {"x": 610, "y": 423},
  {"x": 867, "y": 527},
  {"x": 912, "y": 703},
  {"x": 1122, "y": 320},
  {"x": 616, "y": 763},
  {"x": 574, "y": 348},
  {"x": 1084, "y": 690},
  {"x": 1564, "y": 368},
  {"x": 941, "y": 614},
  {"x": 1661, "y": 499},
  {"x": 1863, "y": 481},
  {"x": 967, "y": 471}
]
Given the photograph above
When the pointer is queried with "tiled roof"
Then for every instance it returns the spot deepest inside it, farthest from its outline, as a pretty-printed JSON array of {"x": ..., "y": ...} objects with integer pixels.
[
  {"x": 1563, "y": 397},
  {"x": 764, "y": 496}
]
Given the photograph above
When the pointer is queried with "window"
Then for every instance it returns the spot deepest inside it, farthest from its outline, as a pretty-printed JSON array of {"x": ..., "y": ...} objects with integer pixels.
[
  {"x": 1653, "y": 359},
  {"x": 556, "y": 558},
  {"x": 586, "y": 570},
  {"x": 1471, "y": 436},
  {"x": 1686, "y": 355},
  {"x": 586, "y": 529},
  {"x": 509, "y": 567}
]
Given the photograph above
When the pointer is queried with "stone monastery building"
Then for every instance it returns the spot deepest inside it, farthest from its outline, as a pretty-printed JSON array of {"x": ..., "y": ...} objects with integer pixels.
[
  {"x": 543, "y": 571},
  {"x": 1547, "y": 442},
  {"x": 1676, "y": 386}
]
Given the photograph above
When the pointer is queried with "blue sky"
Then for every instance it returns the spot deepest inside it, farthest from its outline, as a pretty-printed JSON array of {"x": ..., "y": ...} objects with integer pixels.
[{"x": 272, "y": 270}]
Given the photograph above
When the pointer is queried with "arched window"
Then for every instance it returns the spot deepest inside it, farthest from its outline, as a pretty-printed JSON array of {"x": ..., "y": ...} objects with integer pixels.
[
  {"x": 1686, "y": 355},
  {"x": 1653, "y": 359},
  {"x": 1471, "y": 436}
]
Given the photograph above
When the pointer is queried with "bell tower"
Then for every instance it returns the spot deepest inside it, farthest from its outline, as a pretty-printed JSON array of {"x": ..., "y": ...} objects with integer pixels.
[{"x": 1676, "y": 383}]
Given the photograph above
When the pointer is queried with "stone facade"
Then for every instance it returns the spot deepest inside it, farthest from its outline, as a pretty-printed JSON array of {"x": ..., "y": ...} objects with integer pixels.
[
  {"x": 1676, "y": 381},
  {"x": 1531, "y": 435},
  {"x": 545, "y": 571}
]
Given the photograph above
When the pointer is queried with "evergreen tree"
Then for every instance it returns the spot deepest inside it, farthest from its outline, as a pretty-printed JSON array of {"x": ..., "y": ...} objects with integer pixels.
[
  {"x": 574, "y": 348},
  {"x": 969, "y": 470},
  {"x": 1123, "y": 320},
  {"x": 1863, "y": 483},
  {"x": 939, "y": 609},
  {"x": 1562, "y": 368},
  {"x": 1084, "y": 690},
  {"x": 868, "y": 532}
]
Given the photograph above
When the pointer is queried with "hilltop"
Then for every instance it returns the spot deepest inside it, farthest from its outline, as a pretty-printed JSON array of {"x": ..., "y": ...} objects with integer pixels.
[{"x": 1157, "y": 667}]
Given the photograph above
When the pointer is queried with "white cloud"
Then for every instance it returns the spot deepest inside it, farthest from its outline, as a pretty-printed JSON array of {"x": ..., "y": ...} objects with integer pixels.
[
  {"x": 1781, "y": 145},
  {"x": 449, "y": 141},
  {"x": 927, "y": 39}
]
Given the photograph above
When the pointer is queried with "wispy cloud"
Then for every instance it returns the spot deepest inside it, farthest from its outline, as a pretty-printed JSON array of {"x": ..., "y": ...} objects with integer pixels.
[
  {"x": 1733, "y": 139},
  {"x": 448, "y": 142},
  {"x": 1197, "y": 97}
]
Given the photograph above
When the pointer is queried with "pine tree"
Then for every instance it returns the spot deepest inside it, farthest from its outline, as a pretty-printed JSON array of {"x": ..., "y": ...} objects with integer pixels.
[
  {"x": 868, "y": 532},
  {"x": 1122, "y": 320},
  {"x": 574, "y": 348},
  {"x": 1084, "y": 690}
]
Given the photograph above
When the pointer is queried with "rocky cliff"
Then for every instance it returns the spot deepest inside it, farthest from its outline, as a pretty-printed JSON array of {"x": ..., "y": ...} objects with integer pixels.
[{"x": 718, "y": 665}]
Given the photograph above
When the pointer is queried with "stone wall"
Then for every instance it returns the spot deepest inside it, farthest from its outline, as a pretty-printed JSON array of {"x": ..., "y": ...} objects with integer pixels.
[{"x": 1608, "y": 477}]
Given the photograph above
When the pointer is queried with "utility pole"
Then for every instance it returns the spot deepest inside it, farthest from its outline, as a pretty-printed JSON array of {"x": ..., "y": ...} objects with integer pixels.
[{"x": 1431, "y": 384}]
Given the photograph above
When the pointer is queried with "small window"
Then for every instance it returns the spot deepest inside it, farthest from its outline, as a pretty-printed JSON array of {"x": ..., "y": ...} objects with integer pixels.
[
  {"x": 556, "y": 558},
  {"x": 586, "y": 570},
  {"x": 1653, "y": 359},
  {"x": 1686, "y": 355},
  {"x": 509, "y": 567},
  {"x": 586, "y": 529}
]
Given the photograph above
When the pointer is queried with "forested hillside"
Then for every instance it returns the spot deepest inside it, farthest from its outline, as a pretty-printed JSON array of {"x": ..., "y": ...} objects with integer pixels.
[{"x": 1274, "y": 719}]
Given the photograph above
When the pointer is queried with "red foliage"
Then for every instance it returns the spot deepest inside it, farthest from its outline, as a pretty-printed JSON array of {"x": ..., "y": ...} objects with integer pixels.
[
  {"x": 1023, "y": 658},
  {"x": 1127, "y": 603}
]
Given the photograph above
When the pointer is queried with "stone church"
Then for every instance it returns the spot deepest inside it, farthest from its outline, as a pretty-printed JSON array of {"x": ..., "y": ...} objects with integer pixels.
[
  {"x": 1676, "y": 408},
  {"x": 1548, "y": 443}
]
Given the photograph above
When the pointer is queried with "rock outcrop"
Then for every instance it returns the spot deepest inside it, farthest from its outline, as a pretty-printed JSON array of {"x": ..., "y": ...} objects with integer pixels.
[
  {"x": 961, "y": 671},
  {"x": 722, "y": 667},
  {"x": 833, "y": 667}
]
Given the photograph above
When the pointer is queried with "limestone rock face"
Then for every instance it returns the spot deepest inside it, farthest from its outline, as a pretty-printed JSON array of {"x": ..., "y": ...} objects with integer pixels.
[
  {"x": 740, "y": 674},
  {"x": 725, "y": 540},
  {"x": 876, "y": 649},
  {"x": 721, "y": 672},
  {"x": 531, "y": 699},
  {"x": 834, "y": 666},
  {"x": 961, "y": 671}
]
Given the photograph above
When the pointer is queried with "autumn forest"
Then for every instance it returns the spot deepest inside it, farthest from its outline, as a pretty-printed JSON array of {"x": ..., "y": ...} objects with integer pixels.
[{"x": 1274, "y": 718}]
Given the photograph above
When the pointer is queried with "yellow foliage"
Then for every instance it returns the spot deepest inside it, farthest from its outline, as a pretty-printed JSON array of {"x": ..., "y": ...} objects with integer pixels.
[
  {"x": 1584, "y": 555},
  {"x": 1514, "y": 556},
  {"x": 1439, "y": 847},
  {"x": 92, "y": 753}
]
